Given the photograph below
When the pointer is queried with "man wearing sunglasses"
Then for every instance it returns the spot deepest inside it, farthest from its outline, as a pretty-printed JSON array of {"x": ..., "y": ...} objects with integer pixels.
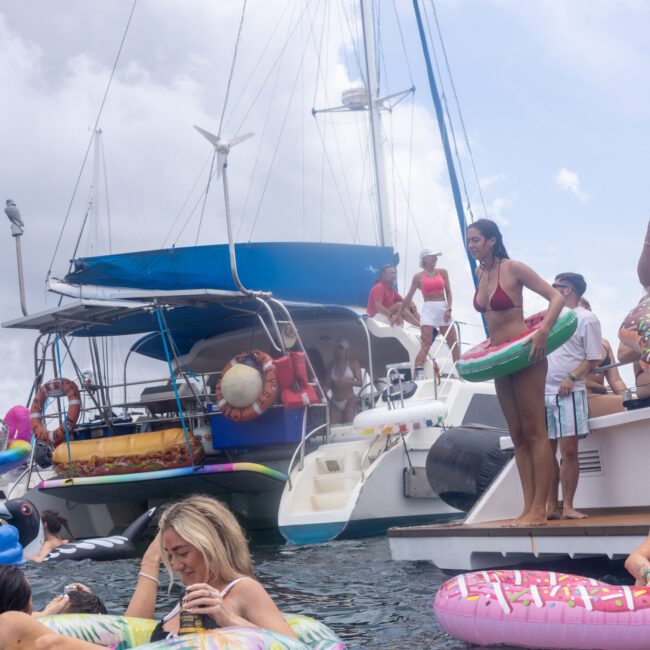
[{"x": 567, "y": 415}]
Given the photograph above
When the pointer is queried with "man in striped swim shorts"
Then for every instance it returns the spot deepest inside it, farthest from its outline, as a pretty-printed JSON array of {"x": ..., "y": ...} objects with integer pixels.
[{"x": 567, "y": 414}]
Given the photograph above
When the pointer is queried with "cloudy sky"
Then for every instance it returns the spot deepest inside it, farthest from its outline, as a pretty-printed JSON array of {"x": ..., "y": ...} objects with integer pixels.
[{"x": 554, "y": 98}]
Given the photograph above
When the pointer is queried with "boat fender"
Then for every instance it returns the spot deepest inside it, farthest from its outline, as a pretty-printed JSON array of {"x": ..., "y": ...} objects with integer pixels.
[
  {"x": 635, "y": 332},
  {"x": 463, "y": 462},
  {"x": 55, "y": 388},
  {"x": 542, "y": 609},
  {"x": 486, "y": 361},
  {"x": 11, "y": 552},
  {"x": 264, "y": 364},
  {"x": 121, "y": 632}
]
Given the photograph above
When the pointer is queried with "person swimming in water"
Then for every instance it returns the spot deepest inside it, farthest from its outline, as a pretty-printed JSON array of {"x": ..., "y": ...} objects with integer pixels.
[
  {"x": 53, "y": 522},
  {"x": 521, "y": 395}
]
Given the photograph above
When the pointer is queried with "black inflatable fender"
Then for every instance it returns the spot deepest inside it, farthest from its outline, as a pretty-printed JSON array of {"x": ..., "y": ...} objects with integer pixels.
[{"x": 464, "y": 461}]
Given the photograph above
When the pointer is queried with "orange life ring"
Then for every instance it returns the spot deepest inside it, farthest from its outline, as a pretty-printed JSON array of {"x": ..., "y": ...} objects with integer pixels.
[
  {"x": 269, "y": 392},
  {"x": 55, "y": 388}
]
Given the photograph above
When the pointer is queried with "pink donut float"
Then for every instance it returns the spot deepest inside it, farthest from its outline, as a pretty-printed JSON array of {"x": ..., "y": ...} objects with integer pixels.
[{"x": 541, "y": 609}]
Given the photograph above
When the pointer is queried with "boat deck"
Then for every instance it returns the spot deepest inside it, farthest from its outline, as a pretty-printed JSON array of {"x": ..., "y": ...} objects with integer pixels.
[{"x": 612, "y": 533}]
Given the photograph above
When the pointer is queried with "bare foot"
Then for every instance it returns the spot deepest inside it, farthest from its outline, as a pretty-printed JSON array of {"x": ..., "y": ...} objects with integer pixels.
[
  {"x": 531, "y": 520},
  {"x": 553, "y": 515},
  {"x": 572, "y": 513}
]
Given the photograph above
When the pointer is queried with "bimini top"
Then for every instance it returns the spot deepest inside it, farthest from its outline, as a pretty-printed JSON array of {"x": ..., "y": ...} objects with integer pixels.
[{"x": 339, "y": 274}]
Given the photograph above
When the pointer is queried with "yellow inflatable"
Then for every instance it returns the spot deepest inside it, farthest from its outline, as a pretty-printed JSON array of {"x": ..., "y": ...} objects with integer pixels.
[{"x": 138, "y": 452}]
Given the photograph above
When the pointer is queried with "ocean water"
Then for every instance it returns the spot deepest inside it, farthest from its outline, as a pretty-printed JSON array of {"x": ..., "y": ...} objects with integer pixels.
[{"x": 353, "y": 586}]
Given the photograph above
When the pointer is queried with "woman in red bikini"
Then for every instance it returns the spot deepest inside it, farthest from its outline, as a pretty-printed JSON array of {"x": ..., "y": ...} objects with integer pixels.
[{"x": 521, "y": 395}]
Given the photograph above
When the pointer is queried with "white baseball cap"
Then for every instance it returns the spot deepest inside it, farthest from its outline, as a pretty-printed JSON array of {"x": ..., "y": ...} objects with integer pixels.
[{"x": 428, "y": 252}]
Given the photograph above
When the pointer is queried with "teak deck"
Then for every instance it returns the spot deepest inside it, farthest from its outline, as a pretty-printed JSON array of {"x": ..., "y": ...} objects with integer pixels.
[{"x": 618, "y": 521}]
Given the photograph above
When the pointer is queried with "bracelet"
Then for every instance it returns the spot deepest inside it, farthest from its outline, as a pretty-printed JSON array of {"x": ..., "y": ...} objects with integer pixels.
[
  {"x": 644, "y": 575},
  {"x": 571, "y": 377},
  {"x": 151, "y": 563},
  {"x": 149, "y": 577}
]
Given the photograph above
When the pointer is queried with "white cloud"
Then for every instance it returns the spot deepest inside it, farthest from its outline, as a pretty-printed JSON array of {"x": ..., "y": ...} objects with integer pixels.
[{"x": 570, "y": 181}]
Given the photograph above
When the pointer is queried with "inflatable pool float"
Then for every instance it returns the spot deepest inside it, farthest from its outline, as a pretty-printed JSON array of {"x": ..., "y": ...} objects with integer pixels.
[
  {"x": 11, "y": 552},
  {"x": 541, "y": 609},
  {"x": 18, "y": 423},
  {"x": 635, "y": 332},
  {"x": 16, "y": 454},
  {"x": 120, "y": 633},
  {"x": 384, "y": 420},
  {"x": 137, "y": 452},
  {"x": 486, "y": 361}
]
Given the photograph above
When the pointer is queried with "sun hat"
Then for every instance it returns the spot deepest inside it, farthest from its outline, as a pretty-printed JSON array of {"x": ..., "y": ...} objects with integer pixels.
[{"x": 428, "y": 252}]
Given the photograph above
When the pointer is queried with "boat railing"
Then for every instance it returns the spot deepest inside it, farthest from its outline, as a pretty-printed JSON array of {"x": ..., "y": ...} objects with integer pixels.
[
  {"x": 300, "y": 449},
  {"x": 364, "y": 458}
]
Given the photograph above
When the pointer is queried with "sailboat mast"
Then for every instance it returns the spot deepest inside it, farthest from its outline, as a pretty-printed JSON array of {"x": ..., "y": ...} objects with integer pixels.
[
  {"x": 383, "y": 210},
  {"x": 94, "y": 199}
]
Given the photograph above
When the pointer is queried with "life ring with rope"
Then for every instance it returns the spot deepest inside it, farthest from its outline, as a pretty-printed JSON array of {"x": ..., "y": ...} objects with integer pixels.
[
  {"x": 60, "y": 387},
  {"x": 239, "y": 412}
]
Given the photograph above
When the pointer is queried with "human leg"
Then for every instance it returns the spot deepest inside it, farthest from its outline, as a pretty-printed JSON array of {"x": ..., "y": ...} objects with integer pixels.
[
  {"x": 552, "y": 504},
  {"x": 426, "y": 340},
  {"x": 336, "y": 413},
  {"x": 529, "y": 393},
  {"x": 350, "y": 409},
  {"x": 525, "y": 468},
  {"x": 569, "y": 471},
  {"x": 449, "y": 334}
]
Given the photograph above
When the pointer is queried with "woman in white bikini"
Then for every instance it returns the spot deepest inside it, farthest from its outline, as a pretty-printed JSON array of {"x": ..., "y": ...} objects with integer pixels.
[{"x": 343, "y": 375}]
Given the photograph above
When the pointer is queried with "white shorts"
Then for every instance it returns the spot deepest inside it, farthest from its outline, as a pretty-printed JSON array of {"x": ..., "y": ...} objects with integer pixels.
[
  {"x": 567, "y": 416},
  {"x": 433, "y": 313}
]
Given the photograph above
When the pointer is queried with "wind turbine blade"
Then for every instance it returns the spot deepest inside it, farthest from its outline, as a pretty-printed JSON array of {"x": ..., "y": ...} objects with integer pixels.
[
  {"x": 213, "y": 139},
  {"x": 240, "y": 138},
  {"x": 221, "y": 158}
]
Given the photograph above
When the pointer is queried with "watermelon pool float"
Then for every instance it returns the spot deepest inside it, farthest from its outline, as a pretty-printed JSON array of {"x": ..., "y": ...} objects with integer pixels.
[{"x": 486, "y": 361}]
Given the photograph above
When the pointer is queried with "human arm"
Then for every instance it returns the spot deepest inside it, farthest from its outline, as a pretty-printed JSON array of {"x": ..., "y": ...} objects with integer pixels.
[
  {"x": 58, "y": 605},
  {"x": 612, "y": 375},
  {"x": 643, "y": 268},
  {"x": 529, "y": 279},
  {"x": 408, "y": 299},
  {"x": 626, "y": 354},
  {"x": 578, "y": 373},
  {"x": 248, "y": 604},
  {"x": 448, "y": 296},
  {"x": 638, "y": 563},
  {"x": 143, "y": 601},
  {"x": 42, "y": 553}
]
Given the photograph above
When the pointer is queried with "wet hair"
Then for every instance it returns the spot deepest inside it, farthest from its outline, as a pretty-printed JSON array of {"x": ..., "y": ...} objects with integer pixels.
[
  {"x": 576, "y": 280},
  {"x": 54, "y": 522},
  {"x": 212, "y": 529},
  {"x": 15, "y": 590},
  {"x": 489, "y": 229},
  {"x": 583, "y": 302},
  {"x": 81, "y": 602}
]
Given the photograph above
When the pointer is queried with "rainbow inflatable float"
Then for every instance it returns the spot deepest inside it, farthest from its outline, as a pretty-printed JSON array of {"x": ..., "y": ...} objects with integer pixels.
[
  {"x": 120, "y": 633},
  {"x": 16, "y": 453},
  {"x": 540, "y": 609},
  {"x": 486, "y": 361}
]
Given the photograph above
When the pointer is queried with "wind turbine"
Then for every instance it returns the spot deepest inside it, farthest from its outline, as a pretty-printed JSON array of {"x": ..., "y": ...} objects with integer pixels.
[
  {"x": 17, "y": 227},
  {"x": 223, "y": 147}
]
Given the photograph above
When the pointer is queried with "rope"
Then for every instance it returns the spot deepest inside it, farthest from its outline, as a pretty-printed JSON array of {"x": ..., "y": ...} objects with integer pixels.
[
  {"x": 205, "y": 197},
  {"x": 232, "y": 67},
  {"x": 65, "y": 417},
  {"x": 163, "y": 336},
  {"x": 83, "y": 164},
  {"x": 460, "y": 114}
]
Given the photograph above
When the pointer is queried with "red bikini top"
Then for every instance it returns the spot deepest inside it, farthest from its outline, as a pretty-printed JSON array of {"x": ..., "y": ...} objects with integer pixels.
[
  {"x": 430, "y": 285},
  {"x": 499, "y": 301}
]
